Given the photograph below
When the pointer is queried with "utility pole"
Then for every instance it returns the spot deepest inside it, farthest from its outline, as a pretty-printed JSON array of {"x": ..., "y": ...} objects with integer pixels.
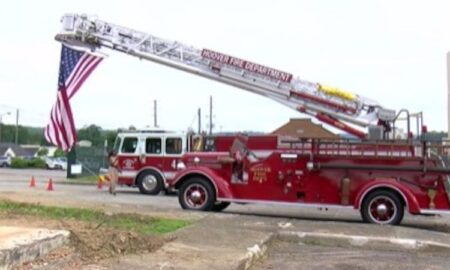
[
  {"x": 210, "y": 115},
  {"x": 17, "y": 128},
  {"x": 1, "y": 123},
  {"x": 448, "y": 94},
  {"x": 155, "y": 116},
  {"x": 199, "y": 116}
]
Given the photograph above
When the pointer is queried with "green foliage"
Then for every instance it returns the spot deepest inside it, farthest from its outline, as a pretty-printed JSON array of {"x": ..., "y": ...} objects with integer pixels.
[
  {"x": 59, "y": 153},
  {"x": 138, "y": 223},
  {"x": 42, "y": 152},
  {"x": 19, "y": 163},
  {"x": 26, "y": 135},
  {"x": 34, "y": 135},
  {"x": 435, "y": 135},
  {"x": 92, "y": 133},
  {"x": 36, "y": 163},
  {"x": 110, "y": 138}
]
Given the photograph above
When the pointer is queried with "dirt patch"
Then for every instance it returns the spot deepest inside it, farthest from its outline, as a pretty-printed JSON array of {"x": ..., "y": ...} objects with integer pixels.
[{"x": 89, "y": 242}]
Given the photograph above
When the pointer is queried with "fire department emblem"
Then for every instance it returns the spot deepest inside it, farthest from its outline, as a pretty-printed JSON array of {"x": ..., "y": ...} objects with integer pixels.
[
  {"x": 128, "y": 164},
  {"x": 259, "y": 173}
]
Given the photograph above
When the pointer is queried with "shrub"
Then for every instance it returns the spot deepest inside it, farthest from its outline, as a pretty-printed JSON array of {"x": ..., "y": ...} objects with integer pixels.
[
  {"x": 59, "y": 153},
  {"x": 19, "y": 163},
  {"x": 36, "y": 163}
]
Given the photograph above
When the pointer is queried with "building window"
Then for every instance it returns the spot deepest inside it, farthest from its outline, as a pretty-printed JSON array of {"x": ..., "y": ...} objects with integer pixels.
[
  {"x": 153, "y": 146},
  {"x": 129, "y": 145},
  {"x": 174, "y": 146}
]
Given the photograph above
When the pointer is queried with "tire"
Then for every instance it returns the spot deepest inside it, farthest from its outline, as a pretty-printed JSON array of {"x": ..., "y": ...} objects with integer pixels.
[
  {"x": 382, "y": 207},
  {"x": 220, "y": 206},
  {"x": 197, "y": 194},
  {"x": 150, "y": 182}
]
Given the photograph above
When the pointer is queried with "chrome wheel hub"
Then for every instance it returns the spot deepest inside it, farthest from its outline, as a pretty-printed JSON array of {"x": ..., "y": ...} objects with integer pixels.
[
  {"x": 196, "y": 196},
  {"x": 382, "y": 209},
  {"x": 149, "y": 182}
]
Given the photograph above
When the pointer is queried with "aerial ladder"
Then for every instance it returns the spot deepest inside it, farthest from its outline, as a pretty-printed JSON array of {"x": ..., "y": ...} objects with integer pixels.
[{"x": 344, "y": 110}]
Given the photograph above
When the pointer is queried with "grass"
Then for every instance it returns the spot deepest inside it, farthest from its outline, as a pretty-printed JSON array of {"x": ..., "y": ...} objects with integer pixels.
[{"x": 134, "y": 222}]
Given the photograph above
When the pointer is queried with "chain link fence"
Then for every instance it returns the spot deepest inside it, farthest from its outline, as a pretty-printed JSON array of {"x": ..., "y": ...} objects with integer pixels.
[{"x": 91, "y": 158}]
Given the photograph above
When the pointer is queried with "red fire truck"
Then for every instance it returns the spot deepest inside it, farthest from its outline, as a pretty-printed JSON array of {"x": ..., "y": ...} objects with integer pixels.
[
  {"x": 150, "y": 158},
  {"x": 379, "y": 179},
  {"x": 374, "y": 174}
]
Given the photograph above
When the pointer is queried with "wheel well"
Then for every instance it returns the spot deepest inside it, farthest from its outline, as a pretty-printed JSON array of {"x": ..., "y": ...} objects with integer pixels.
[
  {"x": 194, "y": 175},
  {"x": 399, "y": 194}
]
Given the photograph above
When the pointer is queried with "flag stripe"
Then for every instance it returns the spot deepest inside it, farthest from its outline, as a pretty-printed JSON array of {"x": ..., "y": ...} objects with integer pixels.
[
  {"x": 75, "y": 85},
  {"x": 68, "y": 118},
  {"x": 79, "y": 69},
  {"x": 75, "y": 67}
]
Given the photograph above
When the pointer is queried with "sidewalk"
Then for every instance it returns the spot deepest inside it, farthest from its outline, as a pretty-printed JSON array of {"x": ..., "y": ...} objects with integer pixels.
[{"x": 227, "y": 241}]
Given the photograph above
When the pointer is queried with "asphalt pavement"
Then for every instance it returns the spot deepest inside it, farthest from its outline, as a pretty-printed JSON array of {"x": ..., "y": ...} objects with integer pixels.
[{"x": 242, "y": 236}]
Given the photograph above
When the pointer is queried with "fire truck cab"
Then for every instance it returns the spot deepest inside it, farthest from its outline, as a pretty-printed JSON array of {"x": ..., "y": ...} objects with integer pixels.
[{"x": 148, "y": 158}]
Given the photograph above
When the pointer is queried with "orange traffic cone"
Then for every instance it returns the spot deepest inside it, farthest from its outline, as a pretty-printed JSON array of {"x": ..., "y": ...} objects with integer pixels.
[
  {"x": 32, "y": 182},
  {"x": 50, "y": 185},
  {"x": 99, "y": 182}
]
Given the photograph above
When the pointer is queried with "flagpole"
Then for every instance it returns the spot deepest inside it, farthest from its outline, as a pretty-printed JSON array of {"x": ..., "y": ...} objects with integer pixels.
[{"x": 71, "y": 159}]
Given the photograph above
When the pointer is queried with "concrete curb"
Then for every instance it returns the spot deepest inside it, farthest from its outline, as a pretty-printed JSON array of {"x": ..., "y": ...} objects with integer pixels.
[
  {"x": 28, "y": 249},
  {"x": 255, "y": 252},
  {"x": 369, "y": 242}
]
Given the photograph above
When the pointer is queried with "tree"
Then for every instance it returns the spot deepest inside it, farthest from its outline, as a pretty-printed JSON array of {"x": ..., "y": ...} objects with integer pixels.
[
  {"x": 92, "y": 133},
  {"x": 26, "y": 135},
  {"x": 110, "y": 138},
  {"x": 42, "y": 152},
  {"x": 59, "y": 153}
]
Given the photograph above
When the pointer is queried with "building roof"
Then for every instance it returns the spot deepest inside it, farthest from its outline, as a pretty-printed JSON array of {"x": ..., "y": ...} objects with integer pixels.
[
  {"x": 19, "y": 151},
  {"x": 304, "y": 128},
  {"x": 5, "y": 146}
]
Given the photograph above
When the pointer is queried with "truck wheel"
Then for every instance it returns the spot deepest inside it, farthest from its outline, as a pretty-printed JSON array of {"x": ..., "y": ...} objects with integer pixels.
[
  {"x": 220, "y": 206},
  {"x": 150, "y": 182},
  {"x": 197, "y": 194},
  {"x": 382, "y": 207}
]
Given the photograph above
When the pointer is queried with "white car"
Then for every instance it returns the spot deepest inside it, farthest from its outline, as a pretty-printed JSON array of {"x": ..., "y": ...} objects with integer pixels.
[
  {"x": 5, "y": 161},
  {"x": 58, "y": 163}
]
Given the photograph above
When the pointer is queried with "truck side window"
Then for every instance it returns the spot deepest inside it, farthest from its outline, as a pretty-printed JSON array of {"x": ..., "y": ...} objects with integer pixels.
[
  {"x": 129, "y": 145},
  {"x": 173, "y": 146},
  {"x": 153, "y": 146}
]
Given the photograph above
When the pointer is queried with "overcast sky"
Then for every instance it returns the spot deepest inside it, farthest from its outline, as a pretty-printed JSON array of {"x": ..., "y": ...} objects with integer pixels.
[{"x": 391, "y": 51}]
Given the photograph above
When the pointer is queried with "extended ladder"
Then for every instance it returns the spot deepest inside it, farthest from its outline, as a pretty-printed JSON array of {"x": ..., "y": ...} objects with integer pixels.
[{"x": 330, "y": 105}]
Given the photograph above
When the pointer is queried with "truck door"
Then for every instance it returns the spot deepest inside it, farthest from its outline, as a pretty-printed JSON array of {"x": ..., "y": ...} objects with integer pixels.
[
  {"x": 153, "y": 152},
  {"x": 174, "y": 147},
  {"x": 128, "y": 158}
]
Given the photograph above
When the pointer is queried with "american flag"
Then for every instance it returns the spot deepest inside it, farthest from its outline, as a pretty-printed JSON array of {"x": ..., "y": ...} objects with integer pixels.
[{"x": 74, "y": 68}]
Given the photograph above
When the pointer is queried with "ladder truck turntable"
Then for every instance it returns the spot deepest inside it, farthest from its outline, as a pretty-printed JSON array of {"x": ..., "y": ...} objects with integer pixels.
[{"x": 379, "y": 177}]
